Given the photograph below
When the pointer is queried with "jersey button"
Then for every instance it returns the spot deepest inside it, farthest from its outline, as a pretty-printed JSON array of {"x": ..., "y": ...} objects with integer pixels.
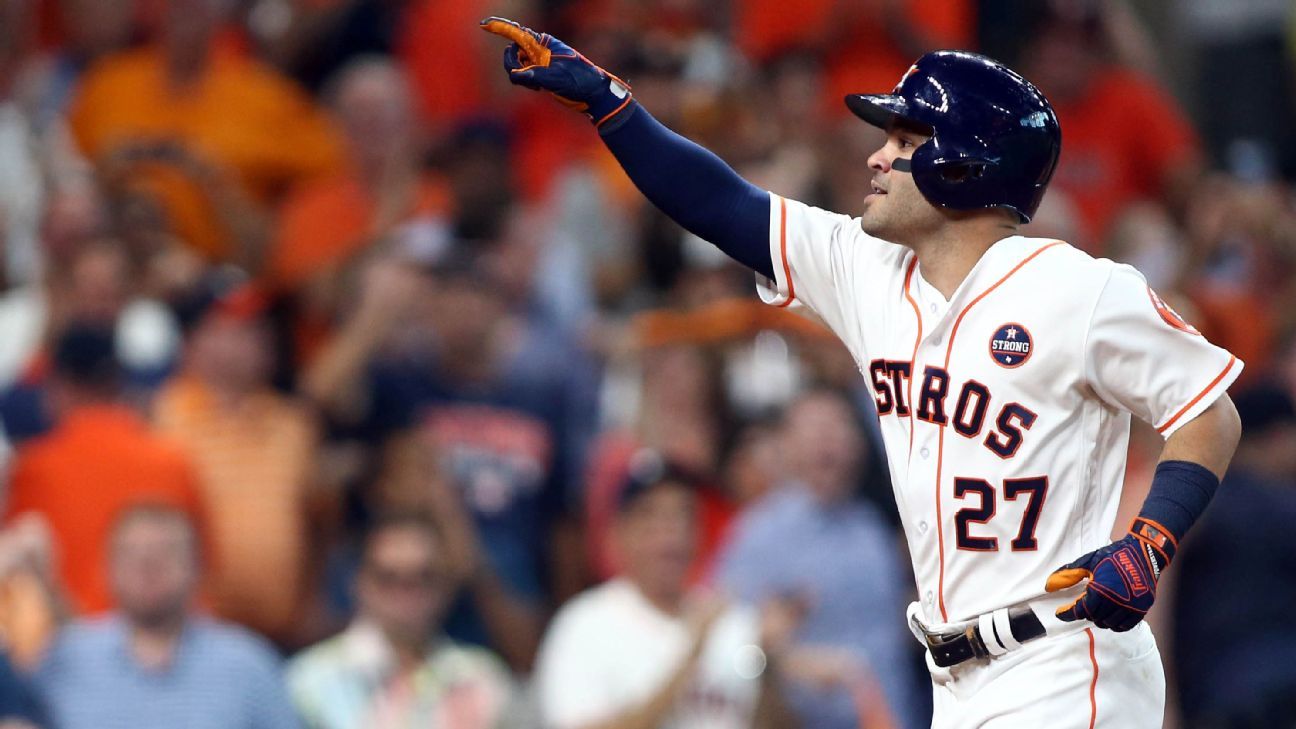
[
  {"x": 924, "y": 452},
  {"x": 928, "y": 597},
  {"x": 933, "y": 308},
  {"x": 922, "y": 527}
]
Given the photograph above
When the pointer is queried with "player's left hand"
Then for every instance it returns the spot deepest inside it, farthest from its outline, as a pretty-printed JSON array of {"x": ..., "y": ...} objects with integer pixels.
[{"x": 1122, "y": 578}]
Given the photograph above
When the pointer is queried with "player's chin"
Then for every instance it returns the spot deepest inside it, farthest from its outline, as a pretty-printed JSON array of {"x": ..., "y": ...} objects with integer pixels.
[{"x": 872, "y": 220}]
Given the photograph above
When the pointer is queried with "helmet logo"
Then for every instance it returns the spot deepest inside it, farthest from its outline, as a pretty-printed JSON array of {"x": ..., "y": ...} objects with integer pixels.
[
  {"x": 912, "y": 70},
  {"x": 1011, "y": 345},
  {"x": 940, "y": 107}
]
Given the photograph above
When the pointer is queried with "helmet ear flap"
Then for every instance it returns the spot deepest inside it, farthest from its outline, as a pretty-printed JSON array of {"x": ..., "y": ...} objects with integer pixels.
[
  {"x": 926, "y": 172},
  {"x": 920, "y": 163},
  {"x": 963, "y": 171},
  {"x": 940, "y": 179}
]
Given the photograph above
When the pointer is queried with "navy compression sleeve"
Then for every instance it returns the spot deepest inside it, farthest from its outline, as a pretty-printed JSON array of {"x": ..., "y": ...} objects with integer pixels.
[
  {"x": 1181, "y": 491},
  {"x": 693, "y": 187}
]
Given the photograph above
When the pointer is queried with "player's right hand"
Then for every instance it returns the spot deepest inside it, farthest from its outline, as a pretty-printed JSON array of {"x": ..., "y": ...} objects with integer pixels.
[{"x": 541, "y": 62}]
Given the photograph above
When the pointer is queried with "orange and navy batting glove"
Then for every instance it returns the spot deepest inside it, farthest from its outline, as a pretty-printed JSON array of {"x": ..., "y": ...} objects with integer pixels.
[
  {"x": 1122, "y": 578},
  {"x": 541, "y": 62}
]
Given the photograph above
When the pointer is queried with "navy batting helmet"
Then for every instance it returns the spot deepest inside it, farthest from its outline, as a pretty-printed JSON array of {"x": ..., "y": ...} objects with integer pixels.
[{"x": 994, "y": 137}]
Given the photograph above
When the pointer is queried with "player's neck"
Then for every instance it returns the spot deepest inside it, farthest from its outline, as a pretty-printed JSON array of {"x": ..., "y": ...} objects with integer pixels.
[{"x": 949, "y": 256}]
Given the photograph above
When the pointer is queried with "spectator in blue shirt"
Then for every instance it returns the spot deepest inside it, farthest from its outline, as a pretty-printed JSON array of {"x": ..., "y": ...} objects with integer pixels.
[
  {"x": 810, "y": 540},
  {"x": 460, "y": 389},
  {"x": 155, "y": 664},
  {"x": 1232, "y": 606}
]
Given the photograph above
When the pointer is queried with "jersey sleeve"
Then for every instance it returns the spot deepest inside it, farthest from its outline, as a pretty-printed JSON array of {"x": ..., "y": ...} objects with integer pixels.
[
  {"x": 824, "y": 262},
  {"x": 1142, "y": 356}
]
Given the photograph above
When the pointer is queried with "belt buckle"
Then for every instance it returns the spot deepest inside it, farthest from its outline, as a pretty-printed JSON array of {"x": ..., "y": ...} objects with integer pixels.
[
  {"x": 932, "y": 638},
  {"x": 937, "y": 644},
  {"x": 918, "y": 629}
]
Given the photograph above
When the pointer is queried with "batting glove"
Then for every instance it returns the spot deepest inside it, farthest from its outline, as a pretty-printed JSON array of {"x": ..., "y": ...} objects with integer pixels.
[
  {"x": 1122, "y": 578},
  {"x": 541, "y": 62}
]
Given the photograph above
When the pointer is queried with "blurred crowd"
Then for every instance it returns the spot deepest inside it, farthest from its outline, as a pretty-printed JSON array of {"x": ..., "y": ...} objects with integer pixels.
[{"x": 343, "y": 385}]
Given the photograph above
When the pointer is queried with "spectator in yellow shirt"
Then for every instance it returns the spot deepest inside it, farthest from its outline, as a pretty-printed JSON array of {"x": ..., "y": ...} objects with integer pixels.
[{"x": 253, "y": 449}]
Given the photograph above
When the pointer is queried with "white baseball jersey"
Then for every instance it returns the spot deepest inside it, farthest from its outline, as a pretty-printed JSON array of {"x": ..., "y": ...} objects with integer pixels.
[
  {"x": 610, "y": 649},
  {"x": 1006, "y": 409}
]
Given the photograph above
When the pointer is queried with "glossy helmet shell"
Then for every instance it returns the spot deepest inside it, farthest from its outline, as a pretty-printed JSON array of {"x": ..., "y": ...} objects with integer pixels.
[{"x": 994, "y": 137}]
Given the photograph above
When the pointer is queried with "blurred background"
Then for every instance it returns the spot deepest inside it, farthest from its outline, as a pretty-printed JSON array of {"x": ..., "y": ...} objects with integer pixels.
[{"x": 331, "y": 363}]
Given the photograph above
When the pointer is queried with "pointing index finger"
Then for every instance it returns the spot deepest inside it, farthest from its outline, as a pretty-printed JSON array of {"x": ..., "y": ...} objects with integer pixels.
[{"x": 532, "y": 49}]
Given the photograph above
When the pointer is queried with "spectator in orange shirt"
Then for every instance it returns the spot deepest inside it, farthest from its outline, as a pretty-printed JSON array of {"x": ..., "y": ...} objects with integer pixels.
[
  {"x": 865, "y": 46},
  {"x": 381, "y": 194},
  {"x": 1124, "y": 137},
  {"x": 232, "y": 113},
  {"x": 98, "y": 460},
  {"x": 432, "y": 31},
  {"x": 254, "y": 450}
]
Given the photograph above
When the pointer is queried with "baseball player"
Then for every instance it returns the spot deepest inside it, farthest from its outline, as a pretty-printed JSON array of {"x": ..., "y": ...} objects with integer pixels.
[{"x": 1005, "y": 371}]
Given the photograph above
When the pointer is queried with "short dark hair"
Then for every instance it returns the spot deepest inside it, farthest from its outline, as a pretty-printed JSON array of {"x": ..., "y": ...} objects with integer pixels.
[
  {"x": 224, "y": 291},
  {"x": 648, "y": 471},
  {"x": 85, "y": 354}
]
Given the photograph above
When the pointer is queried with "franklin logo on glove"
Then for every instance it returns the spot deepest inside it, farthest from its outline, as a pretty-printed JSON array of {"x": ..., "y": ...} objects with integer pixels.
[{"x": 1122, "y": 578}]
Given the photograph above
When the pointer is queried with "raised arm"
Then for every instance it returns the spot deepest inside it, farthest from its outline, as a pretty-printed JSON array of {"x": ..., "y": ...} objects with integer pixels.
[{"x": 688, "y": 183}]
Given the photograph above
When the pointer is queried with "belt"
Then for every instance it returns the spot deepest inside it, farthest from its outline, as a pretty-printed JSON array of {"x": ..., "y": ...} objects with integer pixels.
[{"x": 992, "y": 634}]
